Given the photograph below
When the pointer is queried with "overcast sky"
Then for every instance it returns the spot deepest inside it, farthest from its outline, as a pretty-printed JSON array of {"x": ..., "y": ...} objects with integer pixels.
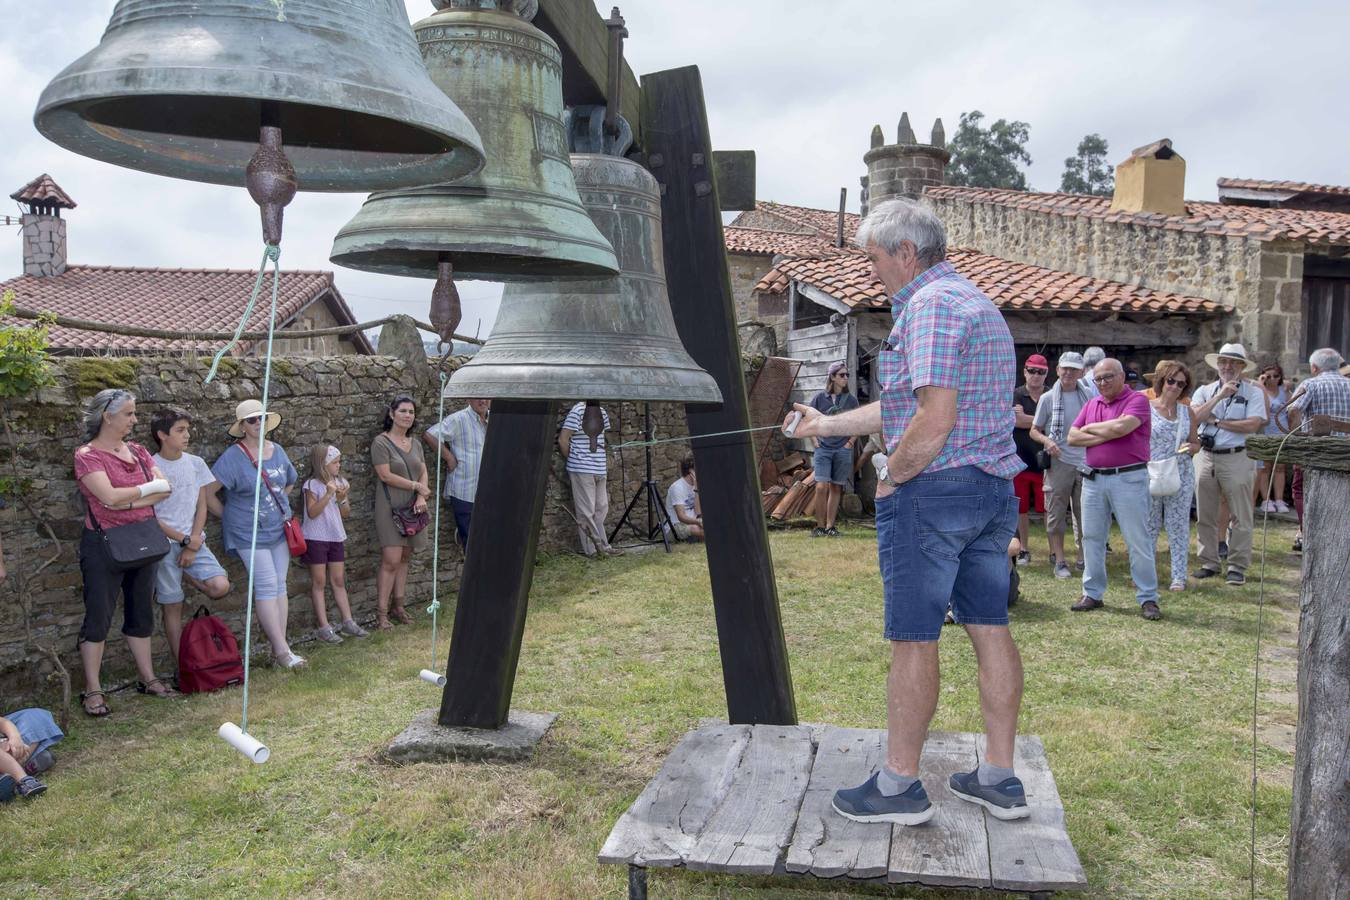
[{"x": 1242, "y": 89}]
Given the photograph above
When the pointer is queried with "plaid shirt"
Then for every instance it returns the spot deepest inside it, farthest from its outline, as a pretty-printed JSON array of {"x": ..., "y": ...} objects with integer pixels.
[
  {"x": 464, "y": 433},
  {"x": 948, "y": 334},
  {"x": 1325, "y": 394}
]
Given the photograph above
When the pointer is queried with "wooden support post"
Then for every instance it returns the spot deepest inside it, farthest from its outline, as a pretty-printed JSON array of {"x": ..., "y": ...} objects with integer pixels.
[
  {"x": 1319, "y": 842},
  {"x": 745, "y": 598},
  {"x": 499, "y": 565}
]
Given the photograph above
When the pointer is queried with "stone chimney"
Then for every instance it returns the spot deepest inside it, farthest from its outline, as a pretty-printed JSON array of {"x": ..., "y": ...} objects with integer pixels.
[
  {"x": 1152, "y": 180},
  {"x": 905, "y": 168},
  {"x": 43, "y": 229}
]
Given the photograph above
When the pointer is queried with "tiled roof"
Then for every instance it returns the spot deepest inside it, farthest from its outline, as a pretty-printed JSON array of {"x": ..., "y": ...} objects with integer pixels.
[
  {"x": 824, "y": 222},
  {"x": 1294, "y": 187},
  {"x": 44, "y": 191},
  {"x": 169, "y": 299},
  {"x": 1012, "y": 286},
  {"x": 1259, "y": 223},
  {"x": 760, "y": 241}
]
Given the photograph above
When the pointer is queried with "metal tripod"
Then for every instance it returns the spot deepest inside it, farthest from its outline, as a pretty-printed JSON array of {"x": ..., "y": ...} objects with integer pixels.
[{"x": 659, "y": 526}]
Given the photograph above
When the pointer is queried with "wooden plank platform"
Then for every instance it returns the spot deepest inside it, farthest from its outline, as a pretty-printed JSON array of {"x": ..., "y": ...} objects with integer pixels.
[{"x": 755, "y": 800}]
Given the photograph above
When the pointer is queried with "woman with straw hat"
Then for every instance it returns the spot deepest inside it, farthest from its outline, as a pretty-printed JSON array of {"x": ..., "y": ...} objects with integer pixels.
[{"x": 236, "y": 470}]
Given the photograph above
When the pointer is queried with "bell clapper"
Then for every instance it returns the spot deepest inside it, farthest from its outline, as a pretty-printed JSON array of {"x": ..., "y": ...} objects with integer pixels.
[
  {"x": 270, "y": 177},
  {"x": 445, "y": 308},
  {"x": 593, "y": 423}
]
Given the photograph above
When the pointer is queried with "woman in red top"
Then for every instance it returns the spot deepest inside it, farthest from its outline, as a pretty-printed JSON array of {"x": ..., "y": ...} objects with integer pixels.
[{"x": 120, "y": 485}]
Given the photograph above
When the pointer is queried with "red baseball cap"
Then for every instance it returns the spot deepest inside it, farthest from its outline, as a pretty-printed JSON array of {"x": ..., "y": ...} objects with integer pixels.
[{"x": 1038, "y": 361}]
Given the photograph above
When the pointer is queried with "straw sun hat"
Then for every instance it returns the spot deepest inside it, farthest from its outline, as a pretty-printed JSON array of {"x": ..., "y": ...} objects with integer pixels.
[
  {"x": 1234, "y": 352},
  {"x": 247, "y": 410}
]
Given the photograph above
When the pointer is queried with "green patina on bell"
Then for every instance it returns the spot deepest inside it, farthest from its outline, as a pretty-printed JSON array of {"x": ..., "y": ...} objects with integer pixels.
[
  {"x": 181, "y": 87},
  {"x": 519, "y": 218}
]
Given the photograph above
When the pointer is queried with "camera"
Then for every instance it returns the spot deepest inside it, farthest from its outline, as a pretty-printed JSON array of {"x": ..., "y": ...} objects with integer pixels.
[{"x": 1207, "y": 441}]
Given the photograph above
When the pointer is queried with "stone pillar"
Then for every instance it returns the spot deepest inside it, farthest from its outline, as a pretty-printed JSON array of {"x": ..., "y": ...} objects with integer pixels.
[
  {"x": 44, "y": 244},
  {"x": 905, "y": 168}
]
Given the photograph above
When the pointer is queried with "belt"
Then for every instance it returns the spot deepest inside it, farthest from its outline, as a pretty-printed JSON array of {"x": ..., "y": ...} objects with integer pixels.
[
  {"x": 1118, "y": 470},
  {"x": 1242, "y": 449}
]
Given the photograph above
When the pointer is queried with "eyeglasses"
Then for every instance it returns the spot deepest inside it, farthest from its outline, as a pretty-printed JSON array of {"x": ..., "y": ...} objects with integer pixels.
[
  {"x": 1107, "y": 376},
  {"x": 1031, "y": 371},
  {"x": 1177, "y": 381},
  {"x": 253, "y": 420}
]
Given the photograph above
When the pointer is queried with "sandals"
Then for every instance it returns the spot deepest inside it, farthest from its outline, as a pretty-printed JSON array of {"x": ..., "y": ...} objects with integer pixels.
[
  {"x": 99, "y": 710},
  {"x": 164, "y": 693},
  {"x": 401, "y": 614}
]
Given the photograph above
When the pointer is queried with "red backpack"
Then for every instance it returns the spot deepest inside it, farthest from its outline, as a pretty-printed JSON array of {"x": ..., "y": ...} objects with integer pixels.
[{"x": 208, "y": 655}]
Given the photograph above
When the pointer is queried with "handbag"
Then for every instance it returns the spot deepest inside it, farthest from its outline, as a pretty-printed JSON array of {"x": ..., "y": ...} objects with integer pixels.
[
  {"x": 292, "y": 529},
  {"x": 1164, "y": 475},
  {"x": 407, "y": 519},
  {"x": 133, "y": 545}
]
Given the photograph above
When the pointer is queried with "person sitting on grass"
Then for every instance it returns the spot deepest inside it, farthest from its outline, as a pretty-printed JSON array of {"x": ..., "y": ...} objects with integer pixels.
[
  {"x": 682, "y": 503},
  {"x": 326, "y": 505},
  {"x": 25, "y": 739},
  {"x": 182, "y": 518}
]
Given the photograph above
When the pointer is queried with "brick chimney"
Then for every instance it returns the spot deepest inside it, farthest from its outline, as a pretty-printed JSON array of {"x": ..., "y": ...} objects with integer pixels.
[
  {"x": 43, "y": 229},
  {"x": 905, "y": 168},
  {"x": 1152, "y": 180}
]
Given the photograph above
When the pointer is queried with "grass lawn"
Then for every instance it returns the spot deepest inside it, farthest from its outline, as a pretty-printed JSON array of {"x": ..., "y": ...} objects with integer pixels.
[{"x": 1147, "y": 727}]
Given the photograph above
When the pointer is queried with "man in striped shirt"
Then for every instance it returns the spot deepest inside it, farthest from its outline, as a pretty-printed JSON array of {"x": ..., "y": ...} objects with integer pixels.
[
  {"x": 588, "y": 470},
  {"x": 459, "y": 437},
  {"x": 946, "y": 510}
]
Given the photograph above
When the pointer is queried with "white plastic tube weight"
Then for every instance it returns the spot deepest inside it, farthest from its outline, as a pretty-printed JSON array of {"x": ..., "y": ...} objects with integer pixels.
[
  {"x": 245, "y": 743},
  {"x": 431, "y": 677},
  {"x": 793, "y": 420}
]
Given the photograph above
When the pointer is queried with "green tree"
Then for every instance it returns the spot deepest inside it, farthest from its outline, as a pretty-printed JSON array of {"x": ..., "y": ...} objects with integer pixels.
[
  {"x": 1087, "y": 172},
  {"x": 989, "y": 157}
]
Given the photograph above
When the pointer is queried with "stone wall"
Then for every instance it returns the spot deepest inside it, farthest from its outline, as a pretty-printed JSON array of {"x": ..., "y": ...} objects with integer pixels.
[
  {"x": 1261, "y": 282},
  {"x": 338, "y": 400},
  {"x": 44, "y": 244}
]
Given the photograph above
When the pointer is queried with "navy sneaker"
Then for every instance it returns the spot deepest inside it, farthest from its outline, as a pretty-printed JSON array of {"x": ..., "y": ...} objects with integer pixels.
[
  {"x": 866, "y": 803},
  {"x": 1005, "y": 800},
  {"x": 6, "y": 788},
  {"x": 30, "y": 787}
]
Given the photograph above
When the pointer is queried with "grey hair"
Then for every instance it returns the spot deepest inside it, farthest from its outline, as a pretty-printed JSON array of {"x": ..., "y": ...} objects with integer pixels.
[
  {"x": 1326, "y": 359},
  {"x": 1093, "y": 355},
  {"x": 893, "y": 222},
  {"x": 110, "y": 401}
]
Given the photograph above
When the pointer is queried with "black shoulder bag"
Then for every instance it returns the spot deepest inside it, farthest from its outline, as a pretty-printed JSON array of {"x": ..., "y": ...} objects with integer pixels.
[{"x": 135, "y": 545}]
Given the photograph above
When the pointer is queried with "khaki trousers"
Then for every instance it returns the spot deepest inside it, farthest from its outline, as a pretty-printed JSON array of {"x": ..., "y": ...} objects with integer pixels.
[
  {"x": 1063, "y": 486},
  {"x": 1233, "y": 476},
  {"x": 590, "y": 499}
]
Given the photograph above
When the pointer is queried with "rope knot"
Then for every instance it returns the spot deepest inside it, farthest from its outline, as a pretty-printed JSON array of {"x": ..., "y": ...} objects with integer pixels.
[
  {"x": 434, "y": 607},
  {"x": 272, "y": 251}
]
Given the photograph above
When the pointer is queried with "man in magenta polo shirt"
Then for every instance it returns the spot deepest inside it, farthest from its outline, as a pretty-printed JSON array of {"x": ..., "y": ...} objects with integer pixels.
[{"x": 1114, "y": 427}]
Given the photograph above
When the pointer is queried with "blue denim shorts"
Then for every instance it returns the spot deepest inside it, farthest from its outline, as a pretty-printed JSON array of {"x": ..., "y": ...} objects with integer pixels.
[
  {"x": 169, "y": 577},
  {"x": 942, "y": 538},
  {"x": 833, "y": 466}
]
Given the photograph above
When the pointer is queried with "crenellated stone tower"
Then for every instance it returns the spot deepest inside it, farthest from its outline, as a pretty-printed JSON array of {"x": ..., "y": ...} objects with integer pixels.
[{"x": 905, "y": 168}]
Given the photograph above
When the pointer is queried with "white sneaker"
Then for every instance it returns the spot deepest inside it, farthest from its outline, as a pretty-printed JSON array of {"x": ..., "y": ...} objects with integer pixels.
[
  {"x": 1281, "y": 506},
  {"x": 1268, "y": 507}
]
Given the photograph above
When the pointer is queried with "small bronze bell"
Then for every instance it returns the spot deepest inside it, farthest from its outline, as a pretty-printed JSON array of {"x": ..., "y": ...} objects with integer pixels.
[
  {"x": 178, "y": 88},
  {"x": 605, "y": 338}
]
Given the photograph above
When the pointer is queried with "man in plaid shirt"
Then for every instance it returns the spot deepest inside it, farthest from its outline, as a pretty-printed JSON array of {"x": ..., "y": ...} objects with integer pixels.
[
  {"x": 946, "y": 509},
  {"x": 1326, "y": 393}
]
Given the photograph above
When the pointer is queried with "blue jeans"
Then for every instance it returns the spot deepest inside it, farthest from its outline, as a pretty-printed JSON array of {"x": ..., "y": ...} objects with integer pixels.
[
  {"x": 463, "y": 511},
  {"x": 942, "y": 540},
  {"x": 1125, "y": 495}
]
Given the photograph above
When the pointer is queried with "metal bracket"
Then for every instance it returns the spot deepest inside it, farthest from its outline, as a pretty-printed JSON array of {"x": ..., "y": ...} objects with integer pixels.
[{"x": 586, "y": 131}]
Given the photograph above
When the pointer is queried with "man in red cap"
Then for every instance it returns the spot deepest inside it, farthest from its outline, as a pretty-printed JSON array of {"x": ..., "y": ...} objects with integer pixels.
[{"x": 1028, "y": 482}]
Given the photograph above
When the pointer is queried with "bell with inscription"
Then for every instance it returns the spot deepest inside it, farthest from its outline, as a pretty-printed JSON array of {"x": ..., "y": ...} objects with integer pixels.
[
  {"x": 518, "y": 219},
  {"x": 182, "y": 88},
  {"x": 599, "y": 339}
]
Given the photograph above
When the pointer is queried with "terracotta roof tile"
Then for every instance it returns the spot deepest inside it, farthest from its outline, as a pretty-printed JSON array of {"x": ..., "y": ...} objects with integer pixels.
[
  {"x": 170, "y": 299},
  {"x": 1260, "y": 223},
  {"x": 1296, "y": 187},
  {"x": 760, "y": 241},
  {"x": 1012, "y": 286},
  {"x": 42, "y": 190}
]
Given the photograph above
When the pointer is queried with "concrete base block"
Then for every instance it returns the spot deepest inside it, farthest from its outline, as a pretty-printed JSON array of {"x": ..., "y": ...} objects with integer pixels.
[{"x": 426, "y": 741}]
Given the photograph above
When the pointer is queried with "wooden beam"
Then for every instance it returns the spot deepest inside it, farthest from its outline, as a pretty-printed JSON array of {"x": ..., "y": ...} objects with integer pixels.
[
  {"x": 1056, "y": 328},
  {"x": 734, "y": 173},
  {"x": 582, "y": 37},
  {"x": 745, "y": 597},
  {"x": 499, "y": 564}
]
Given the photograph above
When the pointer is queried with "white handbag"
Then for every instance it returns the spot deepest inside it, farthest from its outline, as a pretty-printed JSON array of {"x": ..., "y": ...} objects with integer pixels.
[{"x": 1164, "y": 475}]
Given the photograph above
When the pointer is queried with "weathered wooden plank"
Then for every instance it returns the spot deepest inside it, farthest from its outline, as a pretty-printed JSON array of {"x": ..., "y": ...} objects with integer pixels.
[
  {"x": 579, "y": 29},
  {"x": 952, "y": 849},
  {"x": 813, "y": 331},
  {"x": 826, "y": 844},
  {"x": 662, "y": 825},
  {"x": 1052, "y": 328},
  {"x": 754, "y": 822},
  {"x": 1033, "y": 854},
  {"x": 794, "y": 347},
  {"x": 734, "y": 173}
]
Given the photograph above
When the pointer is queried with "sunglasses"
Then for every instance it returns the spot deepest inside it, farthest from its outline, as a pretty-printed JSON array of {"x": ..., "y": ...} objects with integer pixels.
[
  {"x": 1031, "y": 371},
  {"x": 253, "y": 420},
  {"x": 1177, "y": 381}
]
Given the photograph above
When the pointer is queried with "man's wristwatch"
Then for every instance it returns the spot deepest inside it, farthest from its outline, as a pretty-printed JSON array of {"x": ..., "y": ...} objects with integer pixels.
[{"x": 184, "y": 541}]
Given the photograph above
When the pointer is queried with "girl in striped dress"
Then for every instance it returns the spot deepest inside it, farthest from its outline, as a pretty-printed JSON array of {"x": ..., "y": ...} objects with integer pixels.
[
  {"x": 326, "y": 505},
  {"x": 1173, "y": 425}
]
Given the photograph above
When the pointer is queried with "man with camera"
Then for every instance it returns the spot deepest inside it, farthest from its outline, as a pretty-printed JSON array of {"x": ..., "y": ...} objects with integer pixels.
[{"x": 1227, "y": 412}]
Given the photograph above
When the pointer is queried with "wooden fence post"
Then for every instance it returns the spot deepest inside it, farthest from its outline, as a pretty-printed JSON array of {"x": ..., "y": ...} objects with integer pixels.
[{"x": 1319, "y": 845}]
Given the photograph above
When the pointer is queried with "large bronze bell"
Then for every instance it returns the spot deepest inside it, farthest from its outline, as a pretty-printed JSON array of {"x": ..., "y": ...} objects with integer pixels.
[
  {"x": 520, "y": 217},
  {"x": 180, "y": 88},
  {"x": 600, "y": 339}
]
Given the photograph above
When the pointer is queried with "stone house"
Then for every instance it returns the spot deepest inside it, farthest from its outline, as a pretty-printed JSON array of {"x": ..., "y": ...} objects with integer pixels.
[{"x": 164, "y": 299}]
